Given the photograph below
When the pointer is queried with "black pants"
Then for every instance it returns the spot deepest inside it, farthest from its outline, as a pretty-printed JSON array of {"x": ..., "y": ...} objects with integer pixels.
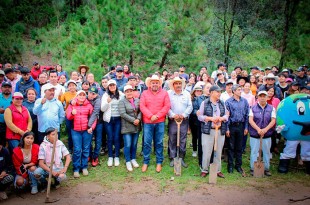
[
  {"x": 235, "y": 144},
  {"x": 194, "y": 130},
  {"x": 2, "y": 134}
]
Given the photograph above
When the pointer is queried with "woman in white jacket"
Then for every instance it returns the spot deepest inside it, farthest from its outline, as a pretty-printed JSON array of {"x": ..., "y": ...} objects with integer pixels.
[{"x": 112, "y": 120}]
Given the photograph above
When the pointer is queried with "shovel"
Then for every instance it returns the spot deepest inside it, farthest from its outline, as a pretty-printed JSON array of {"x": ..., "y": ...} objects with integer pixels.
[
  {"x": 214, "y": 166},
  {"x": 259, "y": 167},
  {"x": 48, "y": 199},
  {"x": 178, "y": 161}
]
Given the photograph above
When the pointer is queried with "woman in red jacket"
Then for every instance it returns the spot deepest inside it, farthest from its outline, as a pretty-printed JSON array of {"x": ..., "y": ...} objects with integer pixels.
[
  {"x": 18, "y": 121},
  {"x": 80, "y": 112},
  {"x": 25, "y": 160}
]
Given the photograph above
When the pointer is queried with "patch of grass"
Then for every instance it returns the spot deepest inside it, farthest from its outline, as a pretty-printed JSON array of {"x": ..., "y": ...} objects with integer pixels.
[{"x": 116, "y": 178}]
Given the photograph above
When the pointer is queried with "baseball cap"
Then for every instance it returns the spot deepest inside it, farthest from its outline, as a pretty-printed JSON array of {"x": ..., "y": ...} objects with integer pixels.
[
  {"x": 2, "y": 72},
  {"x": 35, "y": 63},
  {"x": 300, "y": 69},
  {"x": 262, "y": 92},
  {"x": 215, "y": 88},
  {"x": 221, "y": 64},
  {"x": 24, "y": 70},
  {"x": 49, "y": 86},
  {"x": 79, "y": 92},
  {"x": 289, "y": 80},
  {"x": 17, "y": 95},
  {"x": 285, "y": 70},
  {"x": 6, "y": 84},
  {"x": 111, "y": 82},
  {"x": 127, "y": 87},
  {"x": 71, "y": 81},
  {"x": 119, "y": 69},
  {"x": 93, "y": 89},
  {"x": 229, "y": 82},
  {"x": 255, "y": 68}
]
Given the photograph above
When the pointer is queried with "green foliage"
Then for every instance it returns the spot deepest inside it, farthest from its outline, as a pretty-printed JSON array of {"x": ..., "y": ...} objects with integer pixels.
[{"x": 152, "y": 35}]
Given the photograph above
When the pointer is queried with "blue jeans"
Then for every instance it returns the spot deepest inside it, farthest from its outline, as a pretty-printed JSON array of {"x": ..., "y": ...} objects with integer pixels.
[
  {"x": 98, "y": 141},
  {"x": 156, "y": 132},
  {"x": 113, "y": 129},
  {"x": 130, "y": 145},
  {"x": 81, "y": 143},
  {"x": 266, "y": 144},
  {"x": 44, "y": 174},
  {"x": 69, "y": 127},
  {"x": 12, "y": 145}
]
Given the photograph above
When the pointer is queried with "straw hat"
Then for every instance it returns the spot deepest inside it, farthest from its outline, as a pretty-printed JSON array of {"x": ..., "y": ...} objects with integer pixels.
[
  {"x": 154, "y": 77},
  {"x": 83, "y": 66},
  {"x": 176, "y": 79},
  {"x": 271, "y": 76}
]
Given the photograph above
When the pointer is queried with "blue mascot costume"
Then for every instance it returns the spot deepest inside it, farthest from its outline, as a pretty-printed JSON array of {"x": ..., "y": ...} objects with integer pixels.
[{"x": 293, "y": 121}]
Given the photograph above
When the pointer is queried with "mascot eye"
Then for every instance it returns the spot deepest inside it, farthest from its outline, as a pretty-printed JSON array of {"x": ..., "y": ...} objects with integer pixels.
[{"x": 301, "y": 108}]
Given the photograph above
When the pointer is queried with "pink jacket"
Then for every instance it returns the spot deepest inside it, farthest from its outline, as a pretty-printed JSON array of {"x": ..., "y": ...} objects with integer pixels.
[
  {"x": 154, "y": 104},
  {"x": 80, "y": 119}
]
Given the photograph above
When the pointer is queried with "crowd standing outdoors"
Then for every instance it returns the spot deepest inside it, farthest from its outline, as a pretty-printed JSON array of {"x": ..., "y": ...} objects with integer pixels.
[{"x": 109, "y": 115}]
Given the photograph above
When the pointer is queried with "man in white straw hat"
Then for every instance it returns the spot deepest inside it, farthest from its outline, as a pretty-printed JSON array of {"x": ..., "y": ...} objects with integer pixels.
[
  {"x": 154, "y": 105},
  {"x": 270, "y": 81},
  {"x": 180, "y": 109},
  {"x": 49, "y": 110}
]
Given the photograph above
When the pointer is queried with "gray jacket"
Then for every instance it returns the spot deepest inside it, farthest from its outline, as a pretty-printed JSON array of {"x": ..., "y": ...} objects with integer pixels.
[{"x": 128, "y": 115}]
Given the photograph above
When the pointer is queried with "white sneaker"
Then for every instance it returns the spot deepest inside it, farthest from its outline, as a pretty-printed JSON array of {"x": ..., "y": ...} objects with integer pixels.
[
  {"x": 3, "y": 196},
  {"x": 85, "y": 172},
  {"x": 34, "y": 190},
  {"x": 194, "y": 154},
  {"x": 116, "y": 161},
  {"x": 110, "y": 162},
  {"x": 128, "y": 166},
  {"x": 134, "y": 163},
  {"x": 76, "y": 174}
]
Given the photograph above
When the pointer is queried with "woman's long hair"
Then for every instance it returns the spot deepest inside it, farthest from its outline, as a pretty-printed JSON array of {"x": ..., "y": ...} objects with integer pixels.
[
  {"x": 116, "y": 95},
  {"x": 21, "y": 142}
]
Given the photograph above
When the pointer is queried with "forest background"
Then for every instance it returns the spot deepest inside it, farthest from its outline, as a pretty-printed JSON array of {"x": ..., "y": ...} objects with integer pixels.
[{"x": 155, "y": 34}]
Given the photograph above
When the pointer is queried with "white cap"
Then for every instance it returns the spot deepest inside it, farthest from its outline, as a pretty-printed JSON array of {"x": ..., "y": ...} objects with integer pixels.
[
  {"x": 127, "y": 87},
  {"x": 262, "y": 92},
  {"x": 79, "y": 92},
  {"x": 49, "y": 86},
  {"x": 111, "y": 81}
]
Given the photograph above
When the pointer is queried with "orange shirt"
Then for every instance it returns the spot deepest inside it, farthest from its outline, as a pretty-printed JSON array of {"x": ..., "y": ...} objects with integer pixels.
[
  {"x": 253, "y": 88},
  {"x": 67, "y": 97}
]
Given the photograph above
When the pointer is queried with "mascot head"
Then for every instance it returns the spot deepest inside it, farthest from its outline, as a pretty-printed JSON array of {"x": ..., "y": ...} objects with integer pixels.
[{"x": 294, "y": 113}]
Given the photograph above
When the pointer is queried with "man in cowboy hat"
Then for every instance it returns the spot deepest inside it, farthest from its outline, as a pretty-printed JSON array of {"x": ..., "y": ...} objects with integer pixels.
[
  {"x": 180, "y": 109},
  {"x": 270, "y": 81},
  {"x": 154, "y": 105}
]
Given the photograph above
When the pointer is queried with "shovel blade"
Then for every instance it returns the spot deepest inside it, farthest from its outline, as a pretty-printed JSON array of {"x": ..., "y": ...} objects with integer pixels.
[
  {"x": 49, "y": 200},
  {"x": 177, "y": 166},
  {"x": 213, "y": 173},
  {"x": 259, "y": 169}
]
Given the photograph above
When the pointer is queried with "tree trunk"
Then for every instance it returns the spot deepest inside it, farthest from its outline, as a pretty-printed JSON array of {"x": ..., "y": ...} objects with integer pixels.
[
  {"x": 230, "y": 31},
  {"x": 131, "y": 59},
  {"x": 164, "y": 58},
  {"x": 289, "y": 11}
]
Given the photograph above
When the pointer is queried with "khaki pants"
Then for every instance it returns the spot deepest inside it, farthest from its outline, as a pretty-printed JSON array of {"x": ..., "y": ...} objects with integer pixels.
[{"x": 207, "y": 142}]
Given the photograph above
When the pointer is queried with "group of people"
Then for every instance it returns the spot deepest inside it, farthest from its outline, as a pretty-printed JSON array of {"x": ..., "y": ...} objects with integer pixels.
[{"x": 111, "y": 114}]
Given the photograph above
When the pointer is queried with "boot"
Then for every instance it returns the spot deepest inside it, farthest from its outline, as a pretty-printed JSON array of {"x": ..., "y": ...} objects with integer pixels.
[
  {"x": 283, "y": 166},
  {"x": 307, "y": 167}
]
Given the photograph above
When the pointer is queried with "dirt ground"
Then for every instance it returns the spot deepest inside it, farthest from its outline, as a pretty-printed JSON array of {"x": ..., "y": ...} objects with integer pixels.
[{"x": 147, "y": 192}]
